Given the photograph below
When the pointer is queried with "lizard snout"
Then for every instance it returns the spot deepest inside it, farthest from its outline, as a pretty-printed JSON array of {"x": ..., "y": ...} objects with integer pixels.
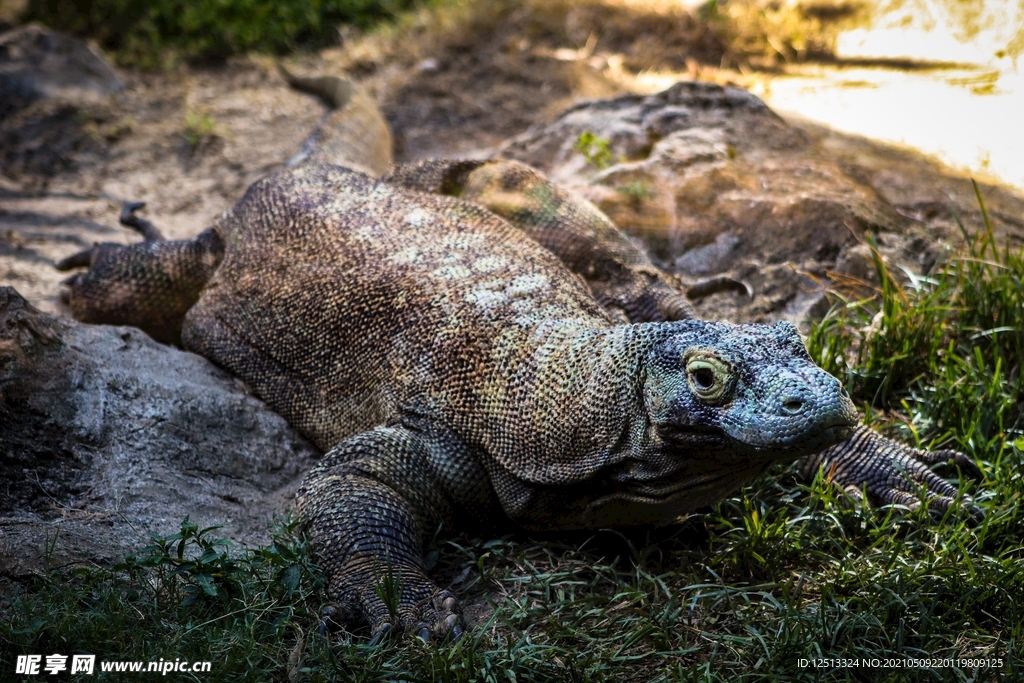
[{"x": 803, "y": 409}]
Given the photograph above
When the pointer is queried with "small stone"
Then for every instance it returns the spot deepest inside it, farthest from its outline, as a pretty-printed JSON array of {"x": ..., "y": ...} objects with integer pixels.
[{"x": 429, "y": 65}]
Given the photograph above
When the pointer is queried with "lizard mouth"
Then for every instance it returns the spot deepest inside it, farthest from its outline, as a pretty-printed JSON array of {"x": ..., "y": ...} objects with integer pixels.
[
  {"x": 690, "y": 435},
  {"x": 702, "y": 437}
]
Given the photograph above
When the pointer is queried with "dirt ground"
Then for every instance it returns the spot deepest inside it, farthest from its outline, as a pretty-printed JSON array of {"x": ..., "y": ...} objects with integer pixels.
[{"x": 188, "y": 142}]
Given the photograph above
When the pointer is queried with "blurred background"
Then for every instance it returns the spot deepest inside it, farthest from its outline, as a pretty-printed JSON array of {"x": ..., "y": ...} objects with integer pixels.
[
  {"x": 902, "y": 99},
  {"x": 938, "y": 76}
]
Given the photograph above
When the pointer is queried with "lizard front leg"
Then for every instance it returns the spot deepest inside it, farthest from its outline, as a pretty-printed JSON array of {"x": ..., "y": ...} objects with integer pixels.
[
  {"x": 368, "y": 504},
  {"x": 891, "y": 472}
]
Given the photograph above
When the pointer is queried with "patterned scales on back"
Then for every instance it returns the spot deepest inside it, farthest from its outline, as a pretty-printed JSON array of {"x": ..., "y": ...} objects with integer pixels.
[
  {"x": 368, "y": 269},
  {"x": 513, "y": 357}
]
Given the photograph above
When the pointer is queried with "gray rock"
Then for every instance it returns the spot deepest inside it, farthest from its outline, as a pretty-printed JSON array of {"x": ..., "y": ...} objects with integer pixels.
[
  {"x": 634, "y": 124},
  {"x": 55, "y": 103},
  {"x": 36, "y": 62},
  {"x": 107, "y": 436},
  {"x": 716, "y": 184}
]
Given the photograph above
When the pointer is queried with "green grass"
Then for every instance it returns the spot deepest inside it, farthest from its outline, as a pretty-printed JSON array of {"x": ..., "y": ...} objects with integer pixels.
[
  {"x": 150, "y": 33},
  {"x": 199, "y": 127},
  {"x": 596, "y": 150},
  {"x": 944, "y": 353},
  {"x": 779, "y": 572}
]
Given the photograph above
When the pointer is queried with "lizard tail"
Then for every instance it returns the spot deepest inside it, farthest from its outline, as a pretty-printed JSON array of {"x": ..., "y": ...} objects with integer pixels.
[
  {"x": 353, "y": 134},
  {"x": 335, "y": 90}
]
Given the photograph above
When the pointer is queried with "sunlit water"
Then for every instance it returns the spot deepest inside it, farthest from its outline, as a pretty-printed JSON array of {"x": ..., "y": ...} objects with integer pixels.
[
  {"x": 939, "y": 113},
  {"x": 969, "y": 116}
]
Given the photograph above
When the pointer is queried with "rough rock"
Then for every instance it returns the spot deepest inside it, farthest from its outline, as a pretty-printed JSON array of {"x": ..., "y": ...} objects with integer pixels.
[
  {"x": 107, "y": 436},
  {"x": 36, "y": 62},
  {"x": 715, "y": 183},
  {"x": 54, "y": 101}
]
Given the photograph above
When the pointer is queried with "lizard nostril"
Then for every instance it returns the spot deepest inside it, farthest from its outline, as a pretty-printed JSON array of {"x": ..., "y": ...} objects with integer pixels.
[{"x": 793, "y": 406}]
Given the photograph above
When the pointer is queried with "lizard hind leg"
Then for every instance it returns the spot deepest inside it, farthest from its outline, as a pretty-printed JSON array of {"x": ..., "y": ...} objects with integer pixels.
[{"x": 149, "y": 284}]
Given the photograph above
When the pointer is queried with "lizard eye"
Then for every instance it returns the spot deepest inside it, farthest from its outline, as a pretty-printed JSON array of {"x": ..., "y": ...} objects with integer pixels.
[
  {"x": 708, "y": 376},
  {"x": 704, "y": 378}
]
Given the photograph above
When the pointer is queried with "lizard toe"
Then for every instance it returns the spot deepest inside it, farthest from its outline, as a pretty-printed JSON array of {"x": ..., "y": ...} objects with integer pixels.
[
  {"x": 895, "y": 497},
  {"x": 941, "y": 504},
  {"x": 81, "y": 259},
  {"x": 450, "y": 624},
  {"x": 854, "y": 493},
  {"x": 948, "y": 456},
  {"x": 436, "y": 618},
  {"x": 381, "y": 633},
  {"x": 328, "y": 620}
]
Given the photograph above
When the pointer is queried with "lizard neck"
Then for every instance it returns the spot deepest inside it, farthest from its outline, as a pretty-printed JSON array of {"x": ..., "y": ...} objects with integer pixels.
[
  {"x": 573, "y": 405},
  {"x": 575, "y": 414}
]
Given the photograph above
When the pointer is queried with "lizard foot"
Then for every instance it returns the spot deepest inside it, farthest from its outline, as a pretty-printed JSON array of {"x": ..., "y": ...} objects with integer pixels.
[
  {"x": 891, "y": 472},
  {"x": 108, "y": 250},
  {"x": 149, "y": 284},
  {"x": 422, "y": 609},
  {"x": 365, "y": 524}
]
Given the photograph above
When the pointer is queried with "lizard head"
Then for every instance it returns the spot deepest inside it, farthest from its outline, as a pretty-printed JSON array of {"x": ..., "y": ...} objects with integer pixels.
[
  {"x": 722, "y": 403},
  {"x": 751, "y": 391}
]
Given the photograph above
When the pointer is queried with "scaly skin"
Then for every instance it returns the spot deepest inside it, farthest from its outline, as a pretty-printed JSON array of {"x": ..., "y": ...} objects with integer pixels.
[
  {"x": 461, "y": 374},
  {"x": 622, "y": 277}
]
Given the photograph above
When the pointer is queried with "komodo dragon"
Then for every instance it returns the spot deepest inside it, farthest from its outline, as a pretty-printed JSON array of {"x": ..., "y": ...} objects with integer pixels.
[{"x": 504, "y": 355}]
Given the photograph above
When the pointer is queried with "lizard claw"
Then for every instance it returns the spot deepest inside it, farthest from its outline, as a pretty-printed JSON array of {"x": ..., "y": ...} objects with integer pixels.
[
  {"x": 948, "y": 456},
  {"x": 976, "y": 513},
  {"x": 891, "y": 472},
  {"x": 149, "y": 232},
  {"x": 87, "y": 258},
  {"x": 383, "y": 632},
  {"x": 422, "y": 610},
  {"x": 327, "y": 623}
]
